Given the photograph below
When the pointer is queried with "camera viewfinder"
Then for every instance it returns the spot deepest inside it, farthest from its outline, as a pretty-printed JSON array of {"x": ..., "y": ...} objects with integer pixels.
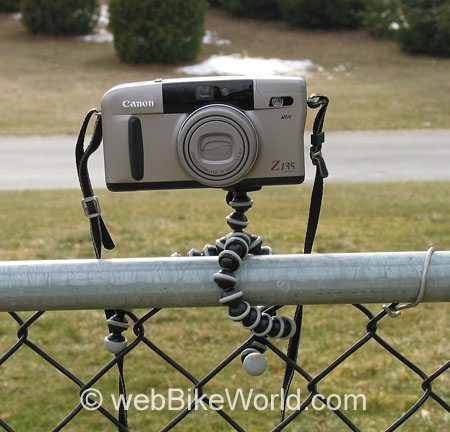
[{"x": 204, "y": 92}]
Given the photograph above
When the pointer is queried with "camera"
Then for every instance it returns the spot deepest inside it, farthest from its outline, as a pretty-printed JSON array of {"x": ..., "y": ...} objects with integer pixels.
[{"x": 221, "y": 132}]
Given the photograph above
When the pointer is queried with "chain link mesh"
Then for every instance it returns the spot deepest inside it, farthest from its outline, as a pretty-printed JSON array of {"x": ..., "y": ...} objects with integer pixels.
[{"x": 144, "y": 339}]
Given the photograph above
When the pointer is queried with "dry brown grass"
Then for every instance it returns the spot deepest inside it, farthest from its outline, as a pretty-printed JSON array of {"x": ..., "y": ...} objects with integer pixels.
[{"x": 47, "y": 84}]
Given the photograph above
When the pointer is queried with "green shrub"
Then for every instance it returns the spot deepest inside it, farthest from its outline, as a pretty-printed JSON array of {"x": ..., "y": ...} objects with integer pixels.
[
  {"x": 426, "y": 27},
  {"x": 381, "y": 18},
  {"x": 260, "y": 9},
  {"x": 60, "y": 17},
  {"x": 322, "y": 14},
  {"x": 9, "y": 5},
  {"x": 157, "y": 31}
]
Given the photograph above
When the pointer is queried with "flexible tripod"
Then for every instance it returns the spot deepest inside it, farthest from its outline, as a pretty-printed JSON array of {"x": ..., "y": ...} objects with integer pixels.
[{"x": 231, "y": 249}]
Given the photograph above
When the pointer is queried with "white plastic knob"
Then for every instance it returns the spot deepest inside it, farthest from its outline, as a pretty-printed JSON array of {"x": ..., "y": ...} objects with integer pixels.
[
  {"x": 114, "y": 347},
  {"x": 255, "y": 364}
]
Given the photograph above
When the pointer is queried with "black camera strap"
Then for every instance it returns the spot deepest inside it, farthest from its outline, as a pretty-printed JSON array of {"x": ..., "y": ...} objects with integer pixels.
[
  {"x": 316, "y": 100},
  {"x": 91, "y": 206},
  {"x": 99, "y": 233}
]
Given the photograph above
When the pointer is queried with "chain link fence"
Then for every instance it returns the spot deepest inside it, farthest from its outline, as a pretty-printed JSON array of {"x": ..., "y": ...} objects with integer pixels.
[{"x": 431, "y": 385}]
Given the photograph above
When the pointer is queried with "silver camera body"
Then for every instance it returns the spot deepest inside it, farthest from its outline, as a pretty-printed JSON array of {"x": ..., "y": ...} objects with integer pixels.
[{"x": 221, "y": 132}]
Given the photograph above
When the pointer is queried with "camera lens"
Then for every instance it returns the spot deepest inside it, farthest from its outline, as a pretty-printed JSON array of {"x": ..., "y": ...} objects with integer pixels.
[{"x": 217, "y": 145}]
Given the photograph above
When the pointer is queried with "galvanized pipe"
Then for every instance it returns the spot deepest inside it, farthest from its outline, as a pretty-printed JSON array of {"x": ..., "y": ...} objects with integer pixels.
[{"x": 187, "y": 282}]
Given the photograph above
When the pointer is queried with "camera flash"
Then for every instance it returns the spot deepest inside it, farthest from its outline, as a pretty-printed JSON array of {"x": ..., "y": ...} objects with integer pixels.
[{"x": 276, "y": 102}]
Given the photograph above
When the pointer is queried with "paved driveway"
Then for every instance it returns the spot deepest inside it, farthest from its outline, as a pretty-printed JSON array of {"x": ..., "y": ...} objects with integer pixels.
[{"x": 36, "y": 162}]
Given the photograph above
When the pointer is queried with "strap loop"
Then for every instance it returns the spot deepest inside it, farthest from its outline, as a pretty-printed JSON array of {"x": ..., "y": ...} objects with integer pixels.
[
  {"x": 318, "y": 160},
  {"x": 317, "y": 100},
  {"x": 317, "y": 140},
  {"x": 91, "y": 207}
]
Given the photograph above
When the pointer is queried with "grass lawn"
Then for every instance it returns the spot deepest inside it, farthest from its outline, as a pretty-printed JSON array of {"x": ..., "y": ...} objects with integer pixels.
[
  {"x": 47, "y": 84},
  {"x": 367, "y": 217}
]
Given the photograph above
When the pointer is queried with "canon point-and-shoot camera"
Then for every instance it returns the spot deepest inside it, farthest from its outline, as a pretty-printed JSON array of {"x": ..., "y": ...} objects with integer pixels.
[{"x": 205, "y": 132}]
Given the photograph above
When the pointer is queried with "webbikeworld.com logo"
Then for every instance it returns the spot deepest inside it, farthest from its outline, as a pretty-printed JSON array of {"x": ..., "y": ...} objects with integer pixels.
[{"x": 176, "y": 399}]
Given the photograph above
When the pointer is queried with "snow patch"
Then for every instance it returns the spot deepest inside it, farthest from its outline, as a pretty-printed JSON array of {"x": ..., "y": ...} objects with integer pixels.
[
  {"x": 394, "y": 26},
  {"x": 103, "y": 19},
  {"x": 101, "y": 33},
  {"x": 236, "y": 64},
  {"x": 211, "y": 38},
  {"x": 341, "y": 67}
]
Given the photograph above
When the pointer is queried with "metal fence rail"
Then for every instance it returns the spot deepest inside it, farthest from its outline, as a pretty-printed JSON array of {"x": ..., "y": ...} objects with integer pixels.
[
  {"x": 156, "y": 283},
  {"x": 187, "y": 282}
]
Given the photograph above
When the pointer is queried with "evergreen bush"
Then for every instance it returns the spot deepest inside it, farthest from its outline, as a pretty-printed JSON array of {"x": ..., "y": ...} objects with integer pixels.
[
  {"x": 9, "y": 5},
  {"x": 157, "y": 31},
  {"x": 322, "y": 14},
  {"x": 381, "y": 18},
  {"x": 426, "y": 27},
  {"x": 259, "y": 9},
  {"x": 60, "y": 17}
]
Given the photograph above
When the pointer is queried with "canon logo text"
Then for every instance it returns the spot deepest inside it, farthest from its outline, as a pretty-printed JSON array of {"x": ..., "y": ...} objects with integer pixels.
[{"x": 138, "y": 104}]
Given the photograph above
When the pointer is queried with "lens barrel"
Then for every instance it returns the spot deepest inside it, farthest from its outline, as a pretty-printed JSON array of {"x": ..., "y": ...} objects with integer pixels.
[{"x": 217, "y": 145}]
